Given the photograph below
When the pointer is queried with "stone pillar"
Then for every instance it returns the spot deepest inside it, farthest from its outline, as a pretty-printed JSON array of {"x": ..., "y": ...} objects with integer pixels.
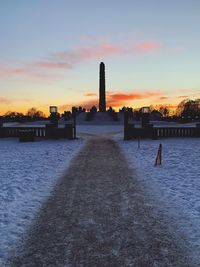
[{"x": 102, "y": 88}]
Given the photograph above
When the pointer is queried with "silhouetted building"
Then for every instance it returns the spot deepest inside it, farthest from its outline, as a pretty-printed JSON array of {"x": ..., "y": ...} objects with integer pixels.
[{"x": 102, "y": 88}]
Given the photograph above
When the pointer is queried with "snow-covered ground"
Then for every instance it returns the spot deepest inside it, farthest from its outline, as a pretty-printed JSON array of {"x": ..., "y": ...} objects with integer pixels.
[
  {"x": 101, "y": 120},
  {"x": 175, "y": 185},
  {"x": 28, "y": 172},
  {"x": 26, "y": 124},
  {"x": 99, "y": 129}
]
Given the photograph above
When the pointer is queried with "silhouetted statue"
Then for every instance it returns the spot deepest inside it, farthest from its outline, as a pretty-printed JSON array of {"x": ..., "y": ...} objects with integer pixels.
[{"x": 93, "y": 110}]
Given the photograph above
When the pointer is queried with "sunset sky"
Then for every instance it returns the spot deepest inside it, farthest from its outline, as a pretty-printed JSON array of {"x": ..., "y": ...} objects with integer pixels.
[{"x": 50, "y": 52}]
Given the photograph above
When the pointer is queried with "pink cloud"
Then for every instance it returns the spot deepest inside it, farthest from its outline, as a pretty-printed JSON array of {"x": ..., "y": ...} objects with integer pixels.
[
  {"x": 6, "y": 71},
  {"x": 106, "y": 50},
  {"x": 27, "y": 71},
  {"x": 69, "y": 59},
  {"x": 91, "y": 52},
  {"x": 102, "y": 50},
  {"x": 149, "y": 46},
  {"x": 51, "y": 65}
]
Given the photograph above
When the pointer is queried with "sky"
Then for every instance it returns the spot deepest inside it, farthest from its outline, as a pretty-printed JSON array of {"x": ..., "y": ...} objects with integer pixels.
[{"x": 50, "y": 52}]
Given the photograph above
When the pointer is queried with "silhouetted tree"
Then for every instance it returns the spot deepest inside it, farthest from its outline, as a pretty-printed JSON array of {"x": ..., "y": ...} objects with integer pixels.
[
  {"x": 13, "y": 114},
  {"x": 34, "y": 113},
  {"x": 164, "y": 111},
  {"x": 189, "y": 109}
]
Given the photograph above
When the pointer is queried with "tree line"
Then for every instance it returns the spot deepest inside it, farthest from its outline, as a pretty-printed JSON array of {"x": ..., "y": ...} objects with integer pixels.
[
  {"x": 186, "y": 110},
  {"x": 31, "y": 115}
]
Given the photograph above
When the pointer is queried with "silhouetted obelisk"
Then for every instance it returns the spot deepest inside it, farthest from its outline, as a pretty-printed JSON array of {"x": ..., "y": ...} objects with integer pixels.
[{"x": 102, "y": 88}]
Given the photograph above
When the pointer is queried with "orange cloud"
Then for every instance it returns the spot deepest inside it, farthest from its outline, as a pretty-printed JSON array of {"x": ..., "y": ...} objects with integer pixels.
[
  {"x": 4, "y": 101},
  {"x": 119, "y": 99},
  {"x": 90, "y": 103},
  {"x": 163, "y": 97},
  {"x": 183, "y": 96},
  {"x": 166, "y": 106},
  {"x": 90, "y": 94}
]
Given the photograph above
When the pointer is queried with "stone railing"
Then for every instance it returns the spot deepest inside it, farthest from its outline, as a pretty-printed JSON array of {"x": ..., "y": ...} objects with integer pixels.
[
  {"x": 49, "y": 131},
  {"x": 131, "y": 132}
]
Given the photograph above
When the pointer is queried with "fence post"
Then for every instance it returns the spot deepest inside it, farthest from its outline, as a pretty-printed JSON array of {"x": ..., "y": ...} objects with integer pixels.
[
  {"x": 126, "y": 125},
  {"x": 159, "y": 156},
  {"x": 74, "y": 121}
]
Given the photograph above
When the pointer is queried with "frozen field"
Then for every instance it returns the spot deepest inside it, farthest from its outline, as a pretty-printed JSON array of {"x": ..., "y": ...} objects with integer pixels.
[
  {"x": 173, "y": 187},
  {"x": 28, "y": 173}
]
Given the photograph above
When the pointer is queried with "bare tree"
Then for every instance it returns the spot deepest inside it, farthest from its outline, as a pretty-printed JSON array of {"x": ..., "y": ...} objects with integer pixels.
[{"x": 33, "y": 112}]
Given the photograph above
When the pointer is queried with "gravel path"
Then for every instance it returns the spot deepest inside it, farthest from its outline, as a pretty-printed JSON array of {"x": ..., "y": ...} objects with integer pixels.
[{"x": 98, "y": 215}]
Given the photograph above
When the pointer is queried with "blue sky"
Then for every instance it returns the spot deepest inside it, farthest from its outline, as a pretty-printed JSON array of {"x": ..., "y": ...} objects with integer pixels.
[{"x": 50, "y": 52}]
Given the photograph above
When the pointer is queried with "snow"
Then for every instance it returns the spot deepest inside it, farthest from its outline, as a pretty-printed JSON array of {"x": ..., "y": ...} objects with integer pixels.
[
  {"x": 100, "y": 120},
  {"x": 28, "y": 173},
  {"x": 26, "y": 124},
  {"x": 99, "y": 129},
  {"x": 172, "y": 124},
  {"x": 174, "y": 186}
]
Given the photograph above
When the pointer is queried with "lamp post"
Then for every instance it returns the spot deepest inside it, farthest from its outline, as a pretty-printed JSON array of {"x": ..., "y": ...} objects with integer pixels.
[
  {"x": 53, "y": 109},
  {"x": 145, "y": 116},
  {"x": 74, "y": 110},
  {"x": 54, "y": 115}
]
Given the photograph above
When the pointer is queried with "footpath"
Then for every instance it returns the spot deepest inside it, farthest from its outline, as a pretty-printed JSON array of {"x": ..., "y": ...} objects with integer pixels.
[{"x": 98, "y": 216}]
